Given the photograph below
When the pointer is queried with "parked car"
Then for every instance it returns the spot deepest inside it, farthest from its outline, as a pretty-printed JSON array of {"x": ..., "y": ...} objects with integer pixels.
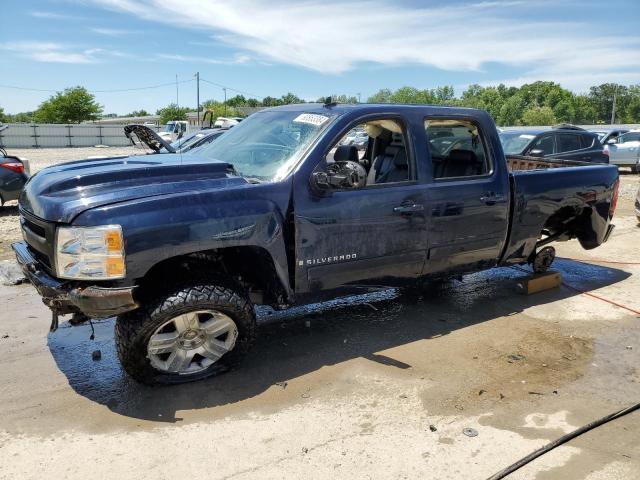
[
  {"x": 359, "y": 138},
  {"x": 570, "y": 143},
  {"x": 180, "y": 248},
  {"x": 609, "y": 135},
  {"x": 625, "y": 151},
  {"x": 638, "y": 205},
  {"x": 175, "y": 130},
  {"x": 14, "y": 173},
  {"x": 141, "y": 135}
]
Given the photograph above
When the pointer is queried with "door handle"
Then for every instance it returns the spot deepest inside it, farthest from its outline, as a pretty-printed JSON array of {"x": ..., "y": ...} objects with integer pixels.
[
  {"x": 409, "y": 208},
  {"x": 491, "y": 198}
]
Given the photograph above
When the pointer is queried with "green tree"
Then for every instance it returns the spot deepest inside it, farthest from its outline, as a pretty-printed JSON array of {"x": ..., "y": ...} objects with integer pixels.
[
  {"x": 74, "y": 105},
  {"x": 220, "y": 110},
  {"x": 172, "y": 112},
  {"x": 511, "y": 111},
  {"x": 138, "y": 113},
  {"x": 271, "y": 102},
  {"x": 381, "y": 96},
  {"x": 290, "y": 98},
  {"x": 602, "y": 100},
  {"x": 237, "y": 101},
  {"x": 22, "y": 117},
  {"x": 538, "y": 116},
  {"x": 3, "y": 117}
]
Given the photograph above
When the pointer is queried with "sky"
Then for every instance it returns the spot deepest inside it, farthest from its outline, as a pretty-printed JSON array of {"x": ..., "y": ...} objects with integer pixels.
[{"x": 312, "y": 48}]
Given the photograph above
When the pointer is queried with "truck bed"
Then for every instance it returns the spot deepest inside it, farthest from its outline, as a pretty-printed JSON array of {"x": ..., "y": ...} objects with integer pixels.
[
  {"x": 548, "y": 192},
  {"x": 522, "y": 162}
]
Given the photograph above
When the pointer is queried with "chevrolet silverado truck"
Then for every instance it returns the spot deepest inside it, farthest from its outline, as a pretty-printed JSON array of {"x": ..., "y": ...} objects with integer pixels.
[{"x": 278, "y": 212}]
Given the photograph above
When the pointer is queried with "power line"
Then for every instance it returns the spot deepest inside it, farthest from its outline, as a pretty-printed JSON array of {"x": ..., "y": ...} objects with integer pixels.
[
  {"x": 229, "y": 88},
  {"x": 15, "y": 87}
]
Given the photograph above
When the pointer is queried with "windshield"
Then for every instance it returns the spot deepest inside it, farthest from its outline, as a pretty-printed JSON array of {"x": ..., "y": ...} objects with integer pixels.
[
  {"x": 629, "y": 137},
  {"x": 601, "y": 135},
  {"x": 169, "y": 127},
  {"x": 192, "y": 137},
  {"x": 515, "y": 143},
  {"x": 267, "y": 145}
]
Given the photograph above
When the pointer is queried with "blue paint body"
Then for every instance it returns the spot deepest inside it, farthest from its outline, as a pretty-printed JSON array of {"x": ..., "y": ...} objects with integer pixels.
[{"x": 320, "y": 244}]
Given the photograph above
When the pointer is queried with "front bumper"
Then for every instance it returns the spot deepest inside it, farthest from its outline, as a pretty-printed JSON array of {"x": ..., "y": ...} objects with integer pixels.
[{"x": 70, "y": 297}]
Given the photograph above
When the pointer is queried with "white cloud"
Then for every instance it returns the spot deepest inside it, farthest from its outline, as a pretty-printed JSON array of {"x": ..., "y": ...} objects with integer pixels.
[
  {"x": 52, "y": 15},
  {"x": 51, "y": 52},
  {"x": 237, "y": 60},
  {"x": 112, "y": 32},
  {"x": 333, "y": 37}
]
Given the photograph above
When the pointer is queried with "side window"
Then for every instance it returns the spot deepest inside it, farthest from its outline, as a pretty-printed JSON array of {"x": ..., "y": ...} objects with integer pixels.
[
  {"x": 568, "y": 142},
  {"x": 544, "y": 143},
  {"x": 586, "y": 141},
  {"x": 377, "y": 150},
  {"x": 457, "y": 148}
]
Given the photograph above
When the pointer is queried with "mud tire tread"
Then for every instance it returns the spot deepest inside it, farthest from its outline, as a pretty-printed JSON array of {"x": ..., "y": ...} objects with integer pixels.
[{"x": 133, "y": 329}]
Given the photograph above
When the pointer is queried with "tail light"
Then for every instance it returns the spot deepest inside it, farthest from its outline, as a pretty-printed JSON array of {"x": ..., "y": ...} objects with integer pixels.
[
  {"x": 614, "y": 198},
  {"x": 605, "y": 150},
  {"x": 14, "y": 166}
]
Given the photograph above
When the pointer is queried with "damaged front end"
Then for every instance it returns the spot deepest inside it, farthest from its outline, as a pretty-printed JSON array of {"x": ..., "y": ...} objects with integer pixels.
[{"x": 64, "y": 297}]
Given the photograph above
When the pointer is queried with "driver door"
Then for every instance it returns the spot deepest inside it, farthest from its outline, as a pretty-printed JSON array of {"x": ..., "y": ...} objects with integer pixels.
[{"x": 373, "y": 235}]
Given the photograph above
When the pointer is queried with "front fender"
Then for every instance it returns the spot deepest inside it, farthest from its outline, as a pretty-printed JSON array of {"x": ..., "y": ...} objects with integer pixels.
[{"x": 159, "y": 228}]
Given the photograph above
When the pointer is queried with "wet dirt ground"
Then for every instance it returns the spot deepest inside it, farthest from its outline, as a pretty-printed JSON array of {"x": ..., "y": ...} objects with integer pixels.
[{"x": 350, "y": 389}]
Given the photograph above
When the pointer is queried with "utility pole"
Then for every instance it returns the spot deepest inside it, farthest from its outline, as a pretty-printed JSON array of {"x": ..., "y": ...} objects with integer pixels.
[
  {"x": 613, "y": 108},
  {"x": 225, "y": 101},
  {"x": 177, "y": 98},
  {"x": 358, "y": 98},
  {"x": 198, "y": 96}
]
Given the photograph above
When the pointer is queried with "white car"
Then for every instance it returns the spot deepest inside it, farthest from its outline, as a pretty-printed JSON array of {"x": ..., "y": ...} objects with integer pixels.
[
  {"x": 174, "y": 130},
  {"x": 625, "y": 151}
]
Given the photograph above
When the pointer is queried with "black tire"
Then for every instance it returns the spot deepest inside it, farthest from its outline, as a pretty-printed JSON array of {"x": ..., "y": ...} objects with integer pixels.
[
  {"x": 543, "y": 259},
  {"x": 133, "y": 330}
]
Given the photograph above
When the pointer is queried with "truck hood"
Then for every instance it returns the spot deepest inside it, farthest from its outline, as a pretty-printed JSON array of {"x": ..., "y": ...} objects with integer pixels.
[
  {"x": 141, "y": 134},
  {"x": 62, "y": 192}
]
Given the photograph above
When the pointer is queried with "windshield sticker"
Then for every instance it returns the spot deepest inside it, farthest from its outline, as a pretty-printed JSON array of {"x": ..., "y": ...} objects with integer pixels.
[
  {"x": 311, "y": 118},
  {"x": 528, "y": 136}
]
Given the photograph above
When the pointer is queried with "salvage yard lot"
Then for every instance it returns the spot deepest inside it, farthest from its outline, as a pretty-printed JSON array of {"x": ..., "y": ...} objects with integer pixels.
[{"x": 348, "y": 389}]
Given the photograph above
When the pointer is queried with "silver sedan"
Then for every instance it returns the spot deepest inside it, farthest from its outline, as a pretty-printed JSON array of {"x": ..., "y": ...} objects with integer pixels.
[{"x": 625, "y": 151}]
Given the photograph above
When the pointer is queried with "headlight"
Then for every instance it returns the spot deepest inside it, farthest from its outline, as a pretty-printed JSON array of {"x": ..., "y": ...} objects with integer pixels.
[{"x": 90, "y": 253}]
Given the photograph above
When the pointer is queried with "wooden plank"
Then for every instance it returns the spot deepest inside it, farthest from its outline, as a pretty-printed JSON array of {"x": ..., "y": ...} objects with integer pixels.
[{"x": 539, "y": 282}]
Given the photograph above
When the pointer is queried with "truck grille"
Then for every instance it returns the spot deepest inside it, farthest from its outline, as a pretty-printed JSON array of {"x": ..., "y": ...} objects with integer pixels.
[{"x": 40, "y": 237}]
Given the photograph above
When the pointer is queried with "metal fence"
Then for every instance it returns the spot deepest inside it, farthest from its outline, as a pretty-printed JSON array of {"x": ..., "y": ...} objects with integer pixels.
[{"x": 37, "y": 135}]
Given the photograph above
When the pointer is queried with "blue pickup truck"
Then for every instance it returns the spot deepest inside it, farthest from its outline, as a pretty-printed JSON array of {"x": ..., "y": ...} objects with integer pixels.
[{"x": 279, "y": 212}]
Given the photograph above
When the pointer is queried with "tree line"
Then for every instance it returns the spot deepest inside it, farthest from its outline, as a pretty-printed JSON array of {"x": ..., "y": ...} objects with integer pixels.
[{"x": 537, "y": 103}]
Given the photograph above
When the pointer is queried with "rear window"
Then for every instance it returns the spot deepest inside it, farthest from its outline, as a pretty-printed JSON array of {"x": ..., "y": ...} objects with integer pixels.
[
  {"x": 568, "y": 142},
  {"x": 587, "y": 141}
]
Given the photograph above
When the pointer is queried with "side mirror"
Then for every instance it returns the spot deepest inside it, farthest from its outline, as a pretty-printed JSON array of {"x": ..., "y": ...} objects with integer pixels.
[
  {"x": 611, "y": 141},
  {"x": 536, "y": 152},
  {"x": 343, "y": 175}
]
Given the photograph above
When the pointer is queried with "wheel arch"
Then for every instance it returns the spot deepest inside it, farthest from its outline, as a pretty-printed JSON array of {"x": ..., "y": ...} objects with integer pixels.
[{"x": 250, "y": 268}]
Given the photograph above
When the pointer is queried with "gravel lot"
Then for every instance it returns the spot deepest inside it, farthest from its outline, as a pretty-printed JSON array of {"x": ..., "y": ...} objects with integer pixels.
[{"x": 374, "y": 387}]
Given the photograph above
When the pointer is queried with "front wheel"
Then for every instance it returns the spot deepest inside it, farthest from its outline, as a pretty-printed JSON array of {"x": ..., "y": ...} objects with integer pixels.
[{"x": 194, "y": 332}]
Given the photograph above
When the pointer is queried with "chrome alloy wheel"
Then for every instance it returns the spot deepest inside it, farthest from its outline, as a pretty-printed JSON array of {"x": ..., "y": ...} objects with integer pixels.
[{"x": 191, "y": 342}]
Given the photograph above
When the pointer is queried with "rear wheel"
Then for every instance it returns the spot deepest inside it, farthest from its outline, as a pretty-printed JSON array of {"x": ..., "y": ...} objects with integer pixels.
[
  {"x": 194, "y": 332},
  {"x": 543, "y": 259}
]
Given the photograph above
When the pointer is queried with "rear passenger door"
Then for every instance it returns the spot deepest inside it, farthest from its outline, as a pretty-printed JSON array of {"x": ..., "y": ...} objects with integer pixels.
[
  {"x": 468, "y": 197},
  {"x": 570, "y": 147}
]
